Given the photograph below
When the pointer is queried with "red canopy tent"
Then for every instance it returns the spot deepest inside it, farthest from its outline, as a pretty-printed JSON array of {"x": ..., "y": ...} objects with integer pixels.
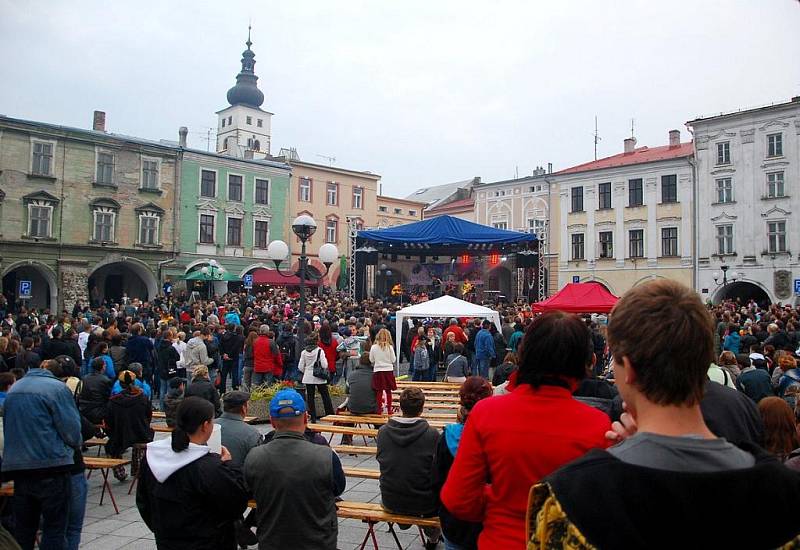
[
  {"x": 264, "y": 276},
  {"x": 578, "y": 298}
]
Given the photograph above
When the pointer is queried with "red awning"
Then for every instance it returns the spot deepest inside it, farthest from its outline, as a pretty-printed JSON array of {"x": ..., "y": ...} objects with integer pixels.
[
  {"x": 579, "y": 298},
  {"x": 272, "y": 277}
]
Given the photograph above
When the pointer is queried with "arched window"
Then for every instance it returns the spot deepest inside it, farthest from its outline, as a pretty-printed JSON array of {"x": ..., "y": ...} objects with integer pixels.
[
  {"x": 225, "y": 144},
  {"x": 256, "y": 146}
]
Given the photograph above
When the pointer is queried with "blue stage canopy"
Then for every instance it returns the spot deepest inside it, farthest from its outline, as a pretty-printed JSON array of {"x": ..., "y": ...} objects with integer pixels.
[{"x": 444, "y": 235}]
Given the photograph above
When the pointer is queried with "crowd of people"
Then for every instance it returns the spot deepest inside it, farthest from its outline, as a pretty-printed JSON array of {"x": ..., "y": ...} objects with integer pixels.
[{"x": 670, "y": 393}]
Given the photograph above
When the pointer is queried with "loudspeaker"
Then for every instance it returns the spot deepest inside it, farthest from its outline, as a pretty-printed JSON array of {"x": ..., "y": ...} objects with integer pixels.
[
  {"x": 371, "y": 258},
  {"x": 527, "y": 260}
]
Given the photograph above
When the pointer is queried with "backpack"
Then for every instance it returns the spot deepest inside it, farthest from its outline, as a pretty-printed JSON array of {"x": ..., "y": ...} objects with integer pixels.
[{"x": 286, "y": 348}]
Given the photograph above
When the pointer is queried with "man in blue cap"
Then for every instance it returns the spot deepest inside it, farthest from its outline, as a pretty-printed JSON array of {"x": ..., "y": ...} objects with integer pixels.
[{"x": 295, "y": 482}]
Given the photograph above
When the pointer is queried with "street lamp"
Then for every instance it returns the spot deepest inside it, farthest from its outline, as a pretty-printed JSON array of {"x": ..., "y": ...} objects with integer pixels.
[
  {"x": 211, "y": 271},
  {"x": 304, "y": 227},
  {"x": 725, "y": 269}
]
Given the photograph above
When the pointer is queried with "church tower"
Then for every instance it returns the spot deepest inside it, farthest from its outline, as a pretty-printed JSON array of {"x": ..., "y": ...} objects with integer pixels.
[{"x": 243, "y": 128}]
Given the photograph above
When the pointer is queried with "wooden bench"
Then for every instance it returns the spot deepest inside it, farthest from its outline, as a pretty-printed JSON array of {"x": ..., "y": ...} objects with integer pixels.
[
  {"x": 98, "y": 442},
  {"x": 378, "y": 420},
  {"x": 426, "y": 415},
  {"x": 355, "y": 449},
  {"x": 104, "y": 465},
  {"x": 431, "y": 385},
  {"x": 345, "y": 430},
  {"x": 161, "y": 415},
  {"x": 372, "y": 514},
  {"x": 364, "y": 473},
  {"x": 161, "y": 428},
  {"x": 435, "y": 398}
]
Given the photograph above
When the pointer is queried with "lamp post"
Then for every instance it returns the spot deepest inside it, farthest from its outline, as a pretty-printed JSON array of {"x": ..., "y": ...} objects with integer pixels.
[
  {"x": 304, "y": 227},
  {"x": 725, "y": 269},
  {"x": 211, "y": 270}
]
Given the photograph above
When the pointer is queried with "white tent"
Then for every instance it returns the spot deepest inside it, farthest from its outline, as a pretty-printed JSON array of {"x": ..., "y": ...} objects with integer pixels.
[{"x": 445, "y": 306}]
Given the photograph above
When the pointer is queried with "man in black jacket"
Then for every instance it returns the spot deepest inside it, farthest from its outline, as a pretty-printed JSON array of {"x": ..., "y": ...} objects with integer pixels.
[
  {"x": 669, "y": 468},
  {"x": 201, "y": 386},
  {"x": 231, "y": 344},
  {"x": 57, "y": 345},
  {"x": 95, "y": 392},
  {"x": 406, "y": 447}
]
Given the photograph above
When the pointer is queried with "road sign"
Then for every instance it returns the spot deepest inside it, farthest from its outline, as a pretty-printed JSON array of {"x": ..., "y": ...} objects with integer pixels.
[
  {"x": 248, "y": 281},
  {"x": 797, "y": 286},
  {"x": 576, "y": 279},
  {"x": 25, "y": 288}
]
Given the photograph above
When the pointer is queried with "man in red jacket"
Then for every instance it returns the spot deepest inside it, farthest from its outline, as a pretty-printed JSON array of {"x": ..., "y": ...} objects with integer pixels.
[
  {"x": 267, "y": 360},
  {"x": 455, "y": 329}
]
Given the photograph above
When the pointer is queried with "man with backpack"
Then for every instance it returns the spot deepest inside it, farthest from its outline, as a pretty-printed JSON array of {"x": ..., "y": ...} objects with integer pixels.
[{"x": 287, "y": 345}]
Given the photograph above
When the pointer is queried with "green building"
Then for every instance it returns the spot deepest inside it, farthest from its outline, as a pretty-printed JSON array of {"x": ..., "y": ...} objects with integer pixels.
[{"x": 231, "y": 209}]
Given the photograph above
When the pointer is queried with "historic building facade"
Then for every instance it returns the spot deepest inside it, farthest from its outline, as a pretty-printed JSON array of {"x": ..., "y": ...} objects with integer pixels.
[
  {"x": 748, "y": 189},
  {"x": 85, "y": 214},
  {"x": 627, "y": 218},
  {"x": 393, "y": 211}
]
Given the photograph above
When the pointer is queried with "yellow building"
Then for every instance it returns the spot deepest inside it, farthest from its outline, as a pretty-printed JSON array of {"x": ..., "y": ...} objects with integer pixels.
[
  {"x": 627, "y": 218},
  {"x": 335, "y": 198},
  {"x": 392, "y": 211}
]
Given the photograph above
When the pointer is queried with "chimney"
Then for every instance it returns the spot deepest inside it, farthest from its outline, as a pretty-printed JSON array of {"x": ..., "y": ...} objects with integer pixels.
[
  {"x": 549, "y": 167},
  {"x": 183, "y": 131},
  {"x": 630, "y": 145},
  {"x": 674, "y": 138},
  {"x": 99, "y": 122}
]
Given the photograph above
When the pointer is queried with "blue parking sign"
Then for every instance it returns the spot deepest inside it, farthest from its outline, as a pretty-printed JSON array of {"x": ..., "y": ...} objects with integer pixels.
[
  {"x": 248, "y": 281},
  {"x": 797, "y": 286},
  {"x": 576, "y": 279},
  {"x": 25, "y": 289}
]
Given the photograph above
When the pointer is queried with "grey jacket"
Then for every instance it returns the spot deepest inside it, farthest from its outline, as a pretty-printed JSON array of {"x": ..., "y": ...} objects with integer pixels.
[
  {"x": 359, "y": 387},
  {"x": 295, "y": 483},
  {"x": 238, "y": 437},
  {"x": 196, "y": 354}
]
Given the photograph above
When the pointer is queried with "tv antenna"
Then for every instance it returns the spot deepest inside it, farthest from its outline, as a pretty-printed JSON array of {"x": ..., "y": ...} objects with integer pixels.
[
  {"x": 330, "y": 160},
  {"x": 597, "y": 137},
  {"x": 206, "y": 136},
  {"x": 633, "y": 136}
]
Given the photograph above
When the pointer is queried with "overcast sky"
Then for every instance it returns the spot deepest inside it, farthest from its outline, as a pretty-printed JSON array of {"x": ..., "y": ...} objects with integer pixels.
[{"x": 421, "y": 92}]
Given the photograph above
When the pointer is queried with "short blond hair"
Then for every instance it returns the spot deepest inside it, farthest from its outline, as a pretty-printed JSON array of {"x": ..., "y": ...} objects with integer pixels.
[{"x": 200, "y": 371}]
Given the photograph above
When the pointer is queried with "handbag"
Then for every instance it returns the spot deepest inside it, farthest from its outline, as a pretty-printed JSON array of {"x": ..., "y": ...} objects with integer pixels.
[{"x": 318, "y": 370}]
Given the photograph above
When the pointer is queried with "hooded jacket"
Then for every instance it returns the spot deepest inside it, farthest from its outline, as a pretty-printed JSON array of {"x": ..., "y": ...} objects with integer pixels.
[
  {"x": 196, "y": 354},
  {"x": 190, "y": 499},
  {"x": 93, "y": 399},
  {"x": 128, "y": 421},
  {"x": 168, "y": 358},
  {"x": 406, "y": 447}
]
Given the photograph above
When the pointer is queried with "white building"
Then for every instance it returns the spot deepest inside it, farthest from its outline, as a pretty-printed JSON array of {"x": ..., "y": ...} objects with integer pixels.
[
  {"x": 748, "y": 187},
  {"x": 625, "y": 219}
]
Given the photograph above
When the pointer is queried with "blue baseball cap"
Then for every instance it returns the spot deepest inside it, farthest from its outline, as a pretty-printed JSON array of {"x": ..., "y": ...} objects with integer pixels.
[{"x": 287, "y": 399}]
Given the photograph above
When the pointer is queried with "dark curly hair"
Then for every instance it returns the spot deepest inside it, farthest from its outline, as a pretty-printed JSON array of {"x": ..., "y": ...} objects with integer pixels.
[{"x": 472, "y": 390}]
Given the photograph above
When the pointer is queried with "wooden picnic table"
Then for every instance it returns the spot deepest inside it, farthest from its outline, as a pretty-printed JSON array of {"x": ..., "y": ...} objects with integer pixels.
[
  {"x": 160, "y": 427},
  {"x": 378, "y": 420},
  {"x": 435, "y": 398},
  {"x": 161, "y": 415},
  {"x": 104, "y": 465},
  {"x": 426, "y": 415},
  {"x": 345, "y": 430},
  {"x": 432, "y": 385},
  {"x": 373, "y": 513}
]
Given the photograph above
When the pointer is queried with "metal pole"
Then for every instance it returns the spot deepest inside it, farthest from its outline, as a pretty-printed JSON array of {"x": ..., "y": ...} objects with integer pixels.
[{"x": 303, "y": 262}]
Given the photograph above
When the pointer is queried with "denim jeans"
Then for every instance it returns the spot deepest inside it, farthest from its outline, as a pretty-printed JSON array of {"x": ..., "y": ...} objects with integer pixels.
[
  {"x": 237, "y": 373},
  {"x": 48, "y": 498},
  {"x": 482, "y": 367},
  {"x": 77, "y": 509},
  {"x": 432, "y": 371},
  {"x": 228, "y": 368},
  {"x": 260, "y": 378}
]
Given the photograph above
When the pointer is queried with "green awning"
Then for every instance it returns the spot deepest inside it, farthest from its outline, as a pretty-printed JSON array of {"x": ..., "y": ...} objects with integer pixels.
[{"x": 218, "y": 276}]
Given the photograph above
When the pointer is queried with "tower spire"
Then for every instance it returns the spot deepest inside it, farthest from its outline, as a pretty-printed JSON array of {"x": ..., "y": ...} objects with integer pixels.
[
  {"x": 246, "y": 91},
  {"x": 249, "y": 43}
]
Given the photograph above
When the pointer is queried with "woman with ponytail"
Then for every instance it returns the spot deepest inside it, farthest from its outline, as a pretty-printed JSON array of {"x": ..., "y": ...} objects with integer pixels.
[
  {"x": 458, "y": 534},
  {"x": 188, "y": 495}
]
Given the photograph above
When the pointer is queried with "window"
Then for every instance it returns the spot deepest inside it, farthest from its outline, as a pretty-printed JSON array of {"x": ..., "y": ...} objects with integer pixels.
[
  {"x": 262, "y": 234},
  {"x": 383, "y": 209},
  {"x": 259, "y": 123},
  {"x": 577, "y": 199},
  {"x": 250, "y": 120},
  {"x": 230, "y": 120},
  {"x": 636, "y": 242},
  {"x": 724, "y": 190},
  {"x": 207, "y": 229},
  {"x": 262, "y": 191},
  {"x": 669, "y": 241},
  {"x": 536, "y": 227},
  {"x": 234, "y": 188},
  {"x": 42, "y": 163},
  {"x": 775, "y": 187},
  {"x": 304, "y": 190},
  {"x": 605, "y": 196},
  {"x": 669, "y": 188},
  {"x": 606, "y": 244},
  {"x": 149, "y": 174},
  {"x": 724, "y": 152},
  {"x": 635, "y": 192},
  {"x": 359, "y": 224},
  {"x": 148, "y": 230},
  {"x": 725, "y": 239},
  {"x": 39, "y": 220},
  {"x": 774, "y": 145},
  {"x": 234, "y": 232},
  {"x": 500, "y": 225},
  {"x": 501, "y": 193},
  {"x": 331, "y": 230},
  {"x": 358, "y": 196},
  {"x": 223, "y": 123},
  {"x": 332, "y": 195},
  {"x": 398, "y": 211},
  {"x": 577, "y": 246},
  {"x": 105, "y": 168},
  {"x": 412, "y": 212},
  {"x": 103, "y": 226},
  {"x": 776, "y": 234},
  {"x": 208, "y": 183}
]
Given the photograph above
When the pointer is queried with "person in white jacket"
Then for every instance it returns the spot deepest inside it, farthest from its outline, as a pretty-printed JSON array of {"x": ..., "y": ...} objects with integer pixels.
[
  {"x": 382, "y": 357},
  {"x": 308, "y": 357}
]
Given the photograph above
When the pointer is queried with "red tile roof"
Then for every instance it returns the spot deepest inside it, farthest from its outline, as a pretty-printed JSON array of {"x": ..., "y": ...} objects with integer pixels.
[
  {"x": 638, "y": 156},
  {"x": 455, "y": 205}
]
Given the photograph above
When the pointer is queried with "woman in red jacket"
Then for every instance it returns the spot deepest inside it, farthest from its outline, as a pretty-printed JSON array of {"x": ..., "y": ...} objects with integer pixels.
[
  {"x": 512, "y": 441},
  {"x": 328, "y": 346}
]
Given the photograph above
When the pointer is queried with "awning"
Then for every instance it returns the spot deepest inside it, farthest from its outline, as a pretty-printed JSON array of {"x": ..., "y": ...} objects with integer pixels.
[
  {"x": 586, "y": 297},
  {"x": 263, "y": 276},
  {"x": 218, "y": 276}
]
